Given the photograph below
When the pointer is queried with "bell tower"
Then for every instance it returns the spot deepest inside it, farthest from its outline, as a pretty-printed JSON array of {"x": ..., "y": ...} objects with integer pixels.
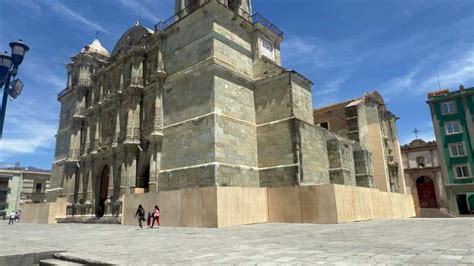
[{"x": 184, "y": 7}]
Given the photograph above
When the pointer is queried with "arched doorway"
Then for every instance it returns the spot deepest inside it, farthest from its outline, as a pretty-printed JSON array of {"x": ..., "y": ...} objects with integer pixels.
[
  {"x": 426, "y": 192},
  {"x": 104, "y": 191}
]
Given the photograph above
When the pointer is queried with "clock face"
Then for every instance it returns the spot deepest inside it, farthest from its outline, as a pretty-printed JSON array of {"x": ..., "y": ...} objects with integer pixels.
[{"x": 267, "y": 48}]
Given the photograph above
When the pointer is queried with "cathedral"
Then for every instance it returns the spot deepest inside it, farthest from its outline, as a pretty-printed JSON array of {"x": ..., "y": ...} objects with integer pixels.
[{"x": 200, "y": 101}]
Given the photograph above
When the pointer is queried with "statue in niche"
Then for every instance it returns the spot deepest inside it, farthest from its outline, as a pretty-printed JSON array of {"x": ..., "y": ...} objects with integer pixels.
[{"x": 108, "y": 128}]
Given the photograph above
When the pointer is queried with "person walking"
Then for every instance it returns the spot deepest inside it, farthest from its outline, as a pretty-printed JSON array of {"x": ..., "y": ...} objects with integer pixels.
[
  {"x": 17, "y": 216},
  {"x": 141, "y": 216},
  {"x": 156, "y": 217},
  {"x": 12, "y": 218}
]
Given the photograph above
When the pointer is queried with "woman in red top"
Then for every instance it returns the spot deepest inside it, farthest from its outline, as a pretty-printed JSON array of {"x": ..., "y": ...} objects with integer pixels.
[{"x": 156, "y": 216}]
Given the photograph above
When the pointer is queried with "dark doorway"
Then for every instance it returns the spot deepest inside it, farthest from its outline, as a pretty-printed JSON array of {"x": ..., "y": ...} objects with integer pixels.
[
  {"x": 462, "y": 204},
  {"x": 426, "y": 192},
  {"x": 146, "y": 179},
  {"x": 104, "y": 191},
  {"x": 471, "y": 203}
]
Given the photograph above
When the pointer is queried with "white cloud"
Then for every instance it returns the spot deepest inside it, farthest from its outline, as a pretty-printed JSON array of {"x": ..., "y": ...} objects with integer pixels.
[
  {"x": 27, "y": 132},
  {"x": 145, "y": 9},
  {"x": 69, "y": 14},
  {"x": 454, "y": 68},
  {"x": 315, "y": 54}
]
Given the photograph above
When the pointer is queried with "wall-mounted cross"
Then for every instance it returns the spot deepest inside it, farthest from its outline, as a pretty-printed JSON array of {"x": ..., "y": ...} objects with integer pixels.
[{"x": 416, "y": 131}]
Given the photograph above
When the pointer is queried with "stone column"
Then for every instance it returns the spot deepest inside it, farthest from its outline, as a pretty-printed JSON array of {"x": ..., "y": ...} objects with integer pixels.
[
  {"x": 132, "y": 171},
  {"x": 117, "y": 126},
  {"x": 97, "y": 133},
  {"x": 110, "y": 191},
  {"x": 155, "y": 165},
  {"x": 124, "y": 190},
  {"x": 136, "y": 119},
  {"x": 90, "y": 180}
]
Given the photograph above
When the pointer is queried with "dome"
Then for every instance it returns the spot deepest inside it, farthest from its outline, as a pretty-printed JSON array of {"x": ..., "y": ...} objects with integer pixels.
[
  {"x": 417, "y": 142},
  {"x": 95, "y": 47},
  {"x": 133, "y": 37}
]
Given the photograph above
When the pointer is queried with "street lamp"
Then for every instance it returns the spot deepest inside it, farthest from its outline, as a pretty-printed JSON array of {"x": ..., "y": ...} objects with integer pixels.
[{"x": 9, "y": 69}]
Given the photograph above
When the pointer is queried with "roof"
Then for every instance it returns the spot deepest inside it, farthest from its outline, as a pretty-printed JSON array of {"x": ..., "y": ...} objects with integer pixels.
[
  {"x": 95, "y": 47},
  {"x": 352, "y": 102},
  {"x": 441, "y": 95},
  {"x": 419, "y": 143},
  {"x": 132, "y": 37}
]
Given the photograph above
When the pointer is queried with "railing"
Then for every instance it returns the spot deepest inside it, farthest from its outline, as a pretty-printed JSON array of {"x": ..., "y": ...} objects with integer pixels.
[
  {"x": 63, "y": 92},
  {"x": 254, "y": 19},
  {"x": 136, "y": 81},
  {"x": 84, "y": 82},
  {"x": 80, "y": 112},
  {"x": 258, "y": 18},
  {"x": 239, "y": 11},
  {"x": 163, "y": 25}
]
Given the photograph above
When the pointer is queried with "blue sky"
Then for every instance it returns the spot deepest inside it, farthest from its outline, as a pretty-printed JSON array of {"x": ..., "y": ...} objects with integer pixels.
[{"x": 346, "y": 47}]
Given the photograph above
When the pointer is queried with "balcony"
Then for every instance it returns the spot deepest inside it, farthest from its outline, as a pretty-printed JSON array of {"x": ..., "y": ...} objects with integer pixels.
[
  {"x": 257, "y": 18},
  {"x": 136, "y": 82},
  {"x": 163, "y": 25},
  {"x": 79, "y": 113},
  {"x": 74, "y": 155},
  {"x": 84, "y": 82}
]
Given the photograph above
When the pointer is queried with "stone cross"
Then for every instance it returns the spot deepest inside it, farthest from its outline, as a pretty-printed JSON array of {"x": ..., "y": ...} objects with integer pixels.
[{"x": 416, "y": 131}]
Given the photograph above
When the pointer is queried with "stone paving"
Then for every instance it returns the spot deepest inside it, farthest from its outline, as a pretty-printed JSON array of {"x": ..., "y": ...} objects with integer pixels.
[{"x": 410, "y": 241}]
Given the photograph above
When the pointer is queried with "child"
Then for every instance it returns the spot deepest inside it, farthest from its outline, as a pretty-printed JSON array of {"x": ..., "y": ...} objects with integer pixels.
[
  {"x": 148, "y": 220},
  {"x": 156, "y": 216}
]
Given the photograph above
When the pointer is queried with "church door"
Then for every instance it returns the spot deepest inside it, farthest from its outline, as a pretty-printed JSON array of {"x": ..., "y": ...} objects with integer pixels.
[
  {"x": 426, "y": 192},
  {"x": 104, "y": 189}
]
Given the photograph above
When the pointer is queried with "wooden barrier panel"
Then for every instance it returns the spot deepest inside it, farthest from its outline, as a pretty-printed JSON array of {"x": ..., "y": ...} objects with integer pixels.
[
  {"x": 43, "y": 213},
  {"x": 335, "y": 204},
  {"x": 231, "y": 206}
]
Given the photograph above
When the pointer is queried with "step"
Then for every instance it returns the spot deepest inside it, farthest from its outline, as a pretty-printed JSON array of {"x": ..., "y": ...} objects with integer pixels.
[
  {"x": 91, "y": 220},
  {"x": 50, "y": 262},
  {"x": 434, "y": 213}
]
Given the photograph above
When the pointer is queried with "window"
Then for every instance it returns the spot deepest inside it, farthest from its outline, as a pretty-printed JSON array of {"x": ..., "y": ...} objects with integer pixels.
[
  {"x": 448, "y": 108},
  {"x": 325, "y": 125},
  {"x": 453, "y": 127},
  {"x": 420, "y": 161},
  {"x": 267, "y": 48},
  {"x": 461, "y": 171},
  {"x": 38, "y": 187},
  {"x": 3, "y": 196},
  {"x": 457, "y": 150}
]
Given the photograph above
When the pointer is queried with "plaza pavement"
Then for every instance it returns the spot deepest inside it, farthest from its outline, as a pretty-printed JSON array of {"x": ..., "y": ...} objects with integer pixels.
[{"x": 409, "y": 241}]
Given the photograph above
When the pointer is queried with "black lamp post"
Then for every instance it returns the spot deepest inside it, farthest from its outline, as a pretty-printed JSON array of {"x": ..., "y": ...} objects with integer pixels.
[{"x": 8, "y": 70}]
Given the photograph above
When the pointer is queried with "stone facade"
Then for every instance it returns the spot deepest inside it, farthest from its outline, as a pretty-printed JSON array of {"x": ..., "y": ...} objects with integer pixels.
[
  {"x": 22, "y": 186},
  {"x": 423, "y": 174},
  {"x": 201, "y": 101},
  {"x": 367, "y": 121}
]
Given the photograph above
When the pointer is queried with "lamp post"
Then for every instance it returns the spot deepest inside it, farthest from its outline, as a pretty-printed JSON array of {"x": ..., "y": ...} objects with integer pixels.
[{"x": 8, "y": 70}]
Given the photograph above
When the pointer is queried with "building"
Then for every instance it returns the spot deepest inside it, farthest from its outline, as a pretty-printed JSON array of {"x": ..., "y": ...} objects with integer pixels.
[
  {"x": 200, "y": 101},
  {"x": 452, "y": 113},
  {"x": 21, "y": 186},
  {"x": 423, "y": 175},
  {"x": 367, "y": 121}
]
